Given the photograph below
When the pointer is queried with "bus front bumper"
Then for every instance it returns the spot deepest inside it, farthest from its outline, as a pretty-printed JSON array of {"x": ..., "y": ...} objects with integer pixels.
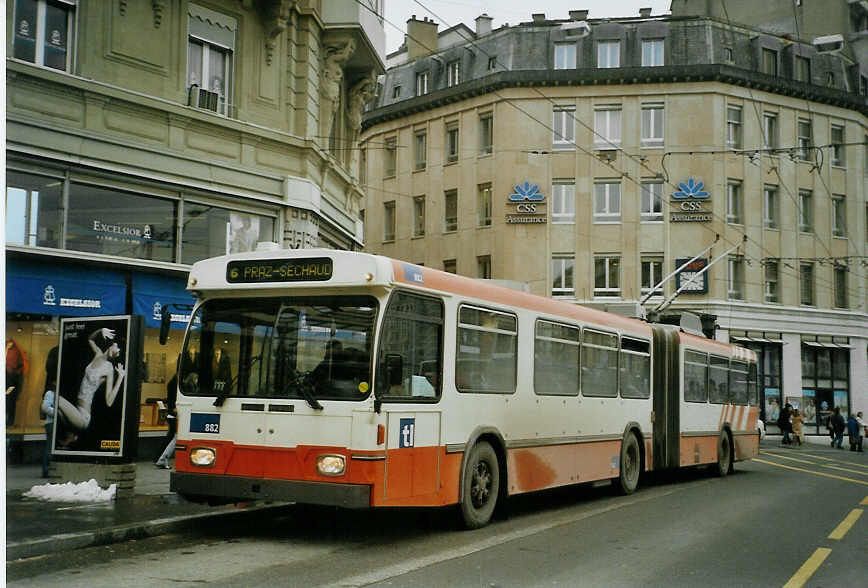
[{"x": 237, "y": 488}]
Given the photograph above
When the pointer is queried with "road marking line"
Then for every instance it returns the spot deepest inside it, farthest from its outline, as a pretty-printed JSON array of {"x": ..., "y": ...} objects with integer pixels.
[
  {"x": 825, "y": 475},
  {"x": 808, "y": 568},
  {"x": 841, "y": 461},
  {"x": 778, "y": 455},
  {"x": 791, "y": 458},
  {"x": 846, "y": 524},
  {"x": 860, "y": 472}
]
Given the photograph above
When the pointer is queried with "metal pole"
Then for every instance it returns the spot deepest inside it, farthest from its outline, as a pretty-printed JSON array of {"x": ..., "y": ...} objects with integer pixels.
[
  {"x": 666, "y": 302},
  {"x": 685, "y": 264}
]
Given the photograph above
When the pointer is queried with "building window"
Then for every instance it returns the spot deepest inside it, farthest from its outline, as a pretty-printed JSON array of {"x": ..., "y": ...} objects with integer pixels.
[
  {"x": 803, "y": 69},
  {"x": 805, "y": 139},
  {"x": 840, "y": 286},
  {"x": 563, "y": 201},
  {"x": 652, "y": 125},
  {"x": 562, "y": 276},
  {"x": 389, "y": 221},
  {"x": 391, "y": 157},
  {"x": 607, "y": 127},
  {"x": 806, "y": 275},
  {"x": 830, "y": 79},
  {"x": 450, "y": 214},
  {"x": 652, "y": 201},
  {"x": 564, "y": 126},
  {"x": 770, "y": 131},
  {"x": 609, "y": 54},
  {"x": 486, "y": 134},
  {"x": 453, "y": 74},
  {"x": 839, "y": 157},
  {"x": 209, "y": 69},
  {"x": 733, "y": 202},
  {"x": 652, "y": 53},
  {"x": 806, "y": 211},
  {"x": 607, "y": 202},
  {"x": 396, "y": 92},
  {"x": 733, "y": 127},
  {"x": 735, "y": 279},
  {"x": 33, "y": 210},
  {"x": 483, "y": 267},
  {"x": 565, "y": 56},
  {"x": 770, "y": 62},
  {"x": 421, "y": 83},
  {"x": 492, "y": 63},
  {"x": 770, "y": 207},
  {"x": 607, "y": 274},
  {"x": 449, "y": 266},
  {"x": 208, "y": 231},
  {"x": 419, "y": 216},
  {"x": 483, "y": 205},
  {"x": 652, "y": 274},
  {"x": 771, "y": 281},
  {"x": 839, "y": 216},
  {"x": 451, "y": 142},
  {"x": 42, "y": 33},
  {"x": 727, "y": 54},
  {"x": 420, "y": 150}
]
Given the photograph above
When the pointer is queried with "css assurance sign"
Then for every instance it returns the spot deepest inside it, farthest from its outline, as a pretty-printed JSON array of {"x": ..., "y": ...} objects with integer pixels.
[
  {"x": 529, "y": 205},
  {"x": 690, "y": 202}
]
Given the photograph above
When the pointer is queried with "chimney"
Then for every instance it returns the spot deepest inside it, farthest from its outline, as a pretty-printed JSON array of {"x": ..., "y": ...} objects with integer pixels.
[
  {"x": 644, "y": 12},
  {"x": 579, "y": 14},
  {"x": 421, "y": 37},
  {"x": 483, "y": 24},
  {"x": 539, "y": 17}
]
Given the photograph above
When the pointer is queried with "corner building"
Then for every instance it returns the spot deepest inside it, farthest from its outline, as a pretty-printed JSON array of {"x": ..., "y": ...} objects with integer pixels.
[
  {"x": 142, "y": 137},
  {"x": 590, "y": 158}
]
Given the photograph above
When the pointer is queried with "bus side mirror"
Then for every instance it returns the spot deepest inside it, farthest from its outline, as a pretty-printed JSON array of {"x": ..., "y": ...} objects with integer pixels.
[
  {"x": 394, "y": 369},
  {"x": 165, "y": 322}
]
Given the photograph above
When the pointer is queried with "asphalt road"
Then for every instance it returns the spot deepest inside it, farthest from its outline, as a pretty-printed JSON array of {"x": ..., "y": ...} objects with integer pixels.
[{"x": 791, "y": 516}]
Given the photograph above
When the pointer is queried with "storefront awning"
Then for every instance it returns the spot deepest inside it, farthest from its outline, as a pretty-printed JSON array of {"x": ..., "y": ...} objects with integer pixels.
[
  {"x": 827, "y": 345},
  {"x": 65, "y": 290},
  {"x": 151, "y": 293},
  {"x": 756, "y": 340}
]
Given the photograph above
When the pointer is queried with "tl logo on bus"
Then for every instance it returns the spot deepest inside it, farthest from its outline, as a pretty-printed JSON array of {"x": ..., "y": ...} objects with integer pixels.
[{"x": 406, "y": 433}]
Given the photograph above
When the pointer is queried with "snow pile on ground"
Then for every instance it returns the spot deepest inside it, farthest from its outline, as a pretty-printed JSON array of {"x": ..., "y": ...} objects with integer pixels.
[{"x": 82, "y": 492}]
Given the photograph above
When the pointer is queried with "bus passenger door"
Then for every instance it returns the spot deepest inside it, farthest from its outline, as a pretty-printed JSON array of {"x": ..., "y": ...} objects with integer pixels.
[{"x": 412, "y": 454}]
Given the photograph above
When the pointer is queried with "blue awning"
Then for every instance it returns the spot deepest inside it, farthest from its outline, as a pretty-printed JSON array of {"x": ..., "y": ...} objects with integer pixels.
[
  {"x": 63, "y": 289},
  {"x": 151, "y": 293}
]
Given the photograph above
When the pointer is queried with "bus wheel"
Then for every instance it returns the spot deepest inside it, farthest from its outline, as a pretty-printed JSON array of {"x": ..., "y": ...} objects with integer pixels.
[
  {"x": 481, "y": 485},
  {"x": 631, "y": 464},
  {"x": 724, "y": 455}
]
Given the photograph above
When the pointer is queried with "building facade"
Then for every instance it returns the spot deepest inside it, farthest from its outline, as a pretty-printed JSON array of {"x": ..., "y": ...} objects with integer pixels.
[
  {"x": 591, "y": 158},
  {"x": 145, "y": 136}
]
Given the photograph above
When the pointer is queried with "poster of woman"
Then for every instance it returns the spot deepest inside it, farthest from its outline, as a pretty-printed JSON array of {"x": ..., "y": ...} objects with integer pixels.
[
  {"x": 92, "y": 386},
  {"x": 810, "y": 411},
  {"x": 773, "y": 405}
]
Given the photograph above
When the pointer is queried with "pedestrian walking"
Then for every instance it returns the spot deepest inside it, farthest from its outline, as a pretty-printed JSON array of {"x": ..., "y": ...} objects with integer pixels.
[
  {"x": 837, "y": 425},
  {"x": 854, "y": 431},
  {"x": 796, "y": 421},
  {"x": 784, "y": 423},
  {"x": 172, "y": 422}
]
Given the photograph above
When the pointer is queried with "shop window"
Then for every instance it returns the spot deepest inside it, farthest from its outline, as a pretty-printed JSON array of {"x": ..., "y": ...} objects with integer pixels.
[
  {"x": 33, "y": 210},
  {"x": 208, "y": 231},
  {"x": 42, "y": 33},
  {"x": 210, "y": 49}
]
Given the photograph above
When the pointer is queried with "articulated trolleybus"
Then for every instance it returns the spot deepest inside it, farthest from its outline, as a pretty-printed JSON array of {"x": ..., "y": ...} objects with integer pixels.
[{"x": 349, "y": 379}]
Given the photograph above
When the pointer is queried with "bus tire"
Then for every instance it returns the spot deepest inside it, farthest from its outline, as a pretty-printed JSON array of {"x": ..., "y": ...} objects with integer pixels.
[
  {"x": 631, "y": 464},
  {"x": 481, "y": 485},
  {"x": 724, "y": 455}
]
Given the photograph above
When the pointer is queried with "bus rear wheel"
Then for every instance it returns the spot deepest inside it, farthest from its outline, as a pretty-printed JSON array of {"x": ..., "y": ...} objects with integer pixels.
[
  {"x": 631, "y": 464},
  {"x": 724, "y": 454},
  {"x": 481, "y": 484}
]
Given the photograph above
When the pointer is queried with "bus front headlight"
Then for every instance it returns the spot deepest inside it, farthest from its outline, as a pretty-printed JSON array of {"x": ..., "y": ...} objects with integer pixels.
[
  {"x": 203, "y": 456},
  {"x": 331, "y": 465}
]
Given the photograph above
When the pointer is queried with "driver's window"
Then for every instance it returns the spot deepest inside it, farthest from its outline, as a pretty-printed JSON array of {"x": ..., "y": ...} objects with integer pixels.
[{"x": 412, "y": 331}]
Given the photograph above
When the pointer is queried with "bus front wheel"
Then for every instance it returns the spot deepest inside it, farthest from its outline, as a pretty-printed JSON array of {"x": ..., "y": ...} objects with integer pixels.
[
  {"x": 724, "y": 454},
  {"x": 631, "y": 464},
  {"x": 481, "y": 484}
]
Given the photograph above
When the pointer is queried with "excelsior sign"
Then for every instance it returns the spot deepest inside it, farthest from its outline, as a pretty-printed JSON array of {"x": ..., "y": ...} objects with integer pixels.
[
  {"x": 688, "y": 203},
  {"x": 529, "y": 205}
]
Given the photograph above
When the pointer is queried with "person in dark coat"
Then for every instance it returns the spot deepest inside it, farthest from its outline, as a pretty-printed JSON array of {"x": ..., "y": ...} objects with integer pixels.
[
  {"x": 172, "y": 421},
  {"x": 784, "y": 423},
  {"x": 836, "y": 423},
  {"x": 854, "y": 430}
]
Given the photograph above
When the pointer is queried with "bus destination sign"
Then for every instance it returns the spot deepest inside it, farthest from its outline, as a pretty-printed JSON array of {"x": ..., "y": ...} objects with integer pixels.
[{"x": 254, "y": 271}]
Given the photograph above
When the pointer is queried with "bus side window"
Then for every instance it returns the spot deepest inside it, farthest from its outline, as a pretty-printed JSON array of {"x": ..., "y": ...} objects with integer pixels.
[
  {"x": 695, "y": 377},
  {"x": 487, "y": 351},
  {"x": 412, "y": 329},
  {"x": 718, "y": 380}
]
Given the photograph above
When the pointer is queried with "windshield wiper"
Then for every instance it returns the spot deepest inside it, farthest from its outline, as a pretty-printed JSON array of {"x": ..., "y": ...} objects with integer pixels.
[
  {"x": 306, "y": 388},
  {"x": 224, "y": 394}
]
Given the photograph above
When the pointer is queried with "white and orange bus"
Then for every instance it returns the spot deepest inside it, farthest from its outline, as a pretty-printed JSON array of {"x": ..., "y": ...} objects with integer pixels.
[{"x": 349, "y": 379}]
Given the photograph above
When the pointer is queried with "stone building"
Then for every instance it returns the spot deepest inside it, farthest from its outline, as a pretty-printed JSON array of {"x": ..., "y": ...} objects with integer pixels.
[
  {"x": 144, "y": 136},
  {"x": 590, "y": 158}
]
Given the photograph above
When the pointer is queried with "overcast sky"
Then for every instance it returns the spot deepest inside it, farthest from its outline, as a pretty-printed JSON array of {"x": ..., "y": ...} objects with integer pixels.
[{"x": 448, "y": 13}]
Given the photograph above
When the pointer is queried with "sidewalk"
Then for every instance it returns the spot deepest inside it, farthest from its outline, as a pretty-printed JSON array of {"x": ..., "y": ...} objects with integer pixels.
[{"x": 36, "y": 527}]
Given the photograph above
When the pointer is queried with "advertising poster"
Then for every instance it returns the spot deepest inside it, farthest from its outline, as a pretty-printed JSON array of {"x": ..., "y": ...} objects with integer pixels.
[
  {"x": 96, "y": 391},
  {"x": 243, "y": 232},
  {"x": 810, "y": 407},
  {"x": 795, "y": 402},
  {"x": 841, "y": 402},
  {"x": 773, "y": 405}
]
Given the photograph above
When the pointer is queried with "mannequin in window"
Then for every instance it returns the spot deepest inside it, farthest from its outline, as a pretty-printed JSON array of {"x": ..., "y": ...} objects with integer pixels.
[{"x": 16, "y": 367}]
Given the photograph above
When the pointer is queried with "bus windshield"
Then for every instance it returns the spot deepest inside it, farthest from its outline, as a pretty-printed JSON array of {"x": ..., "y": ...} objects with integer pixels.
[{"x": 283, "y": 347}]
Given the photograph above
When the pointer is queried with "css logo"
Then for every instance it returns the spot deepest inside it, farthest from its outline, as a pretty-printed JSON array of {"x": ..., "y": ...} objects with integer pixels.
[{"x": 407, "y": 433}]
